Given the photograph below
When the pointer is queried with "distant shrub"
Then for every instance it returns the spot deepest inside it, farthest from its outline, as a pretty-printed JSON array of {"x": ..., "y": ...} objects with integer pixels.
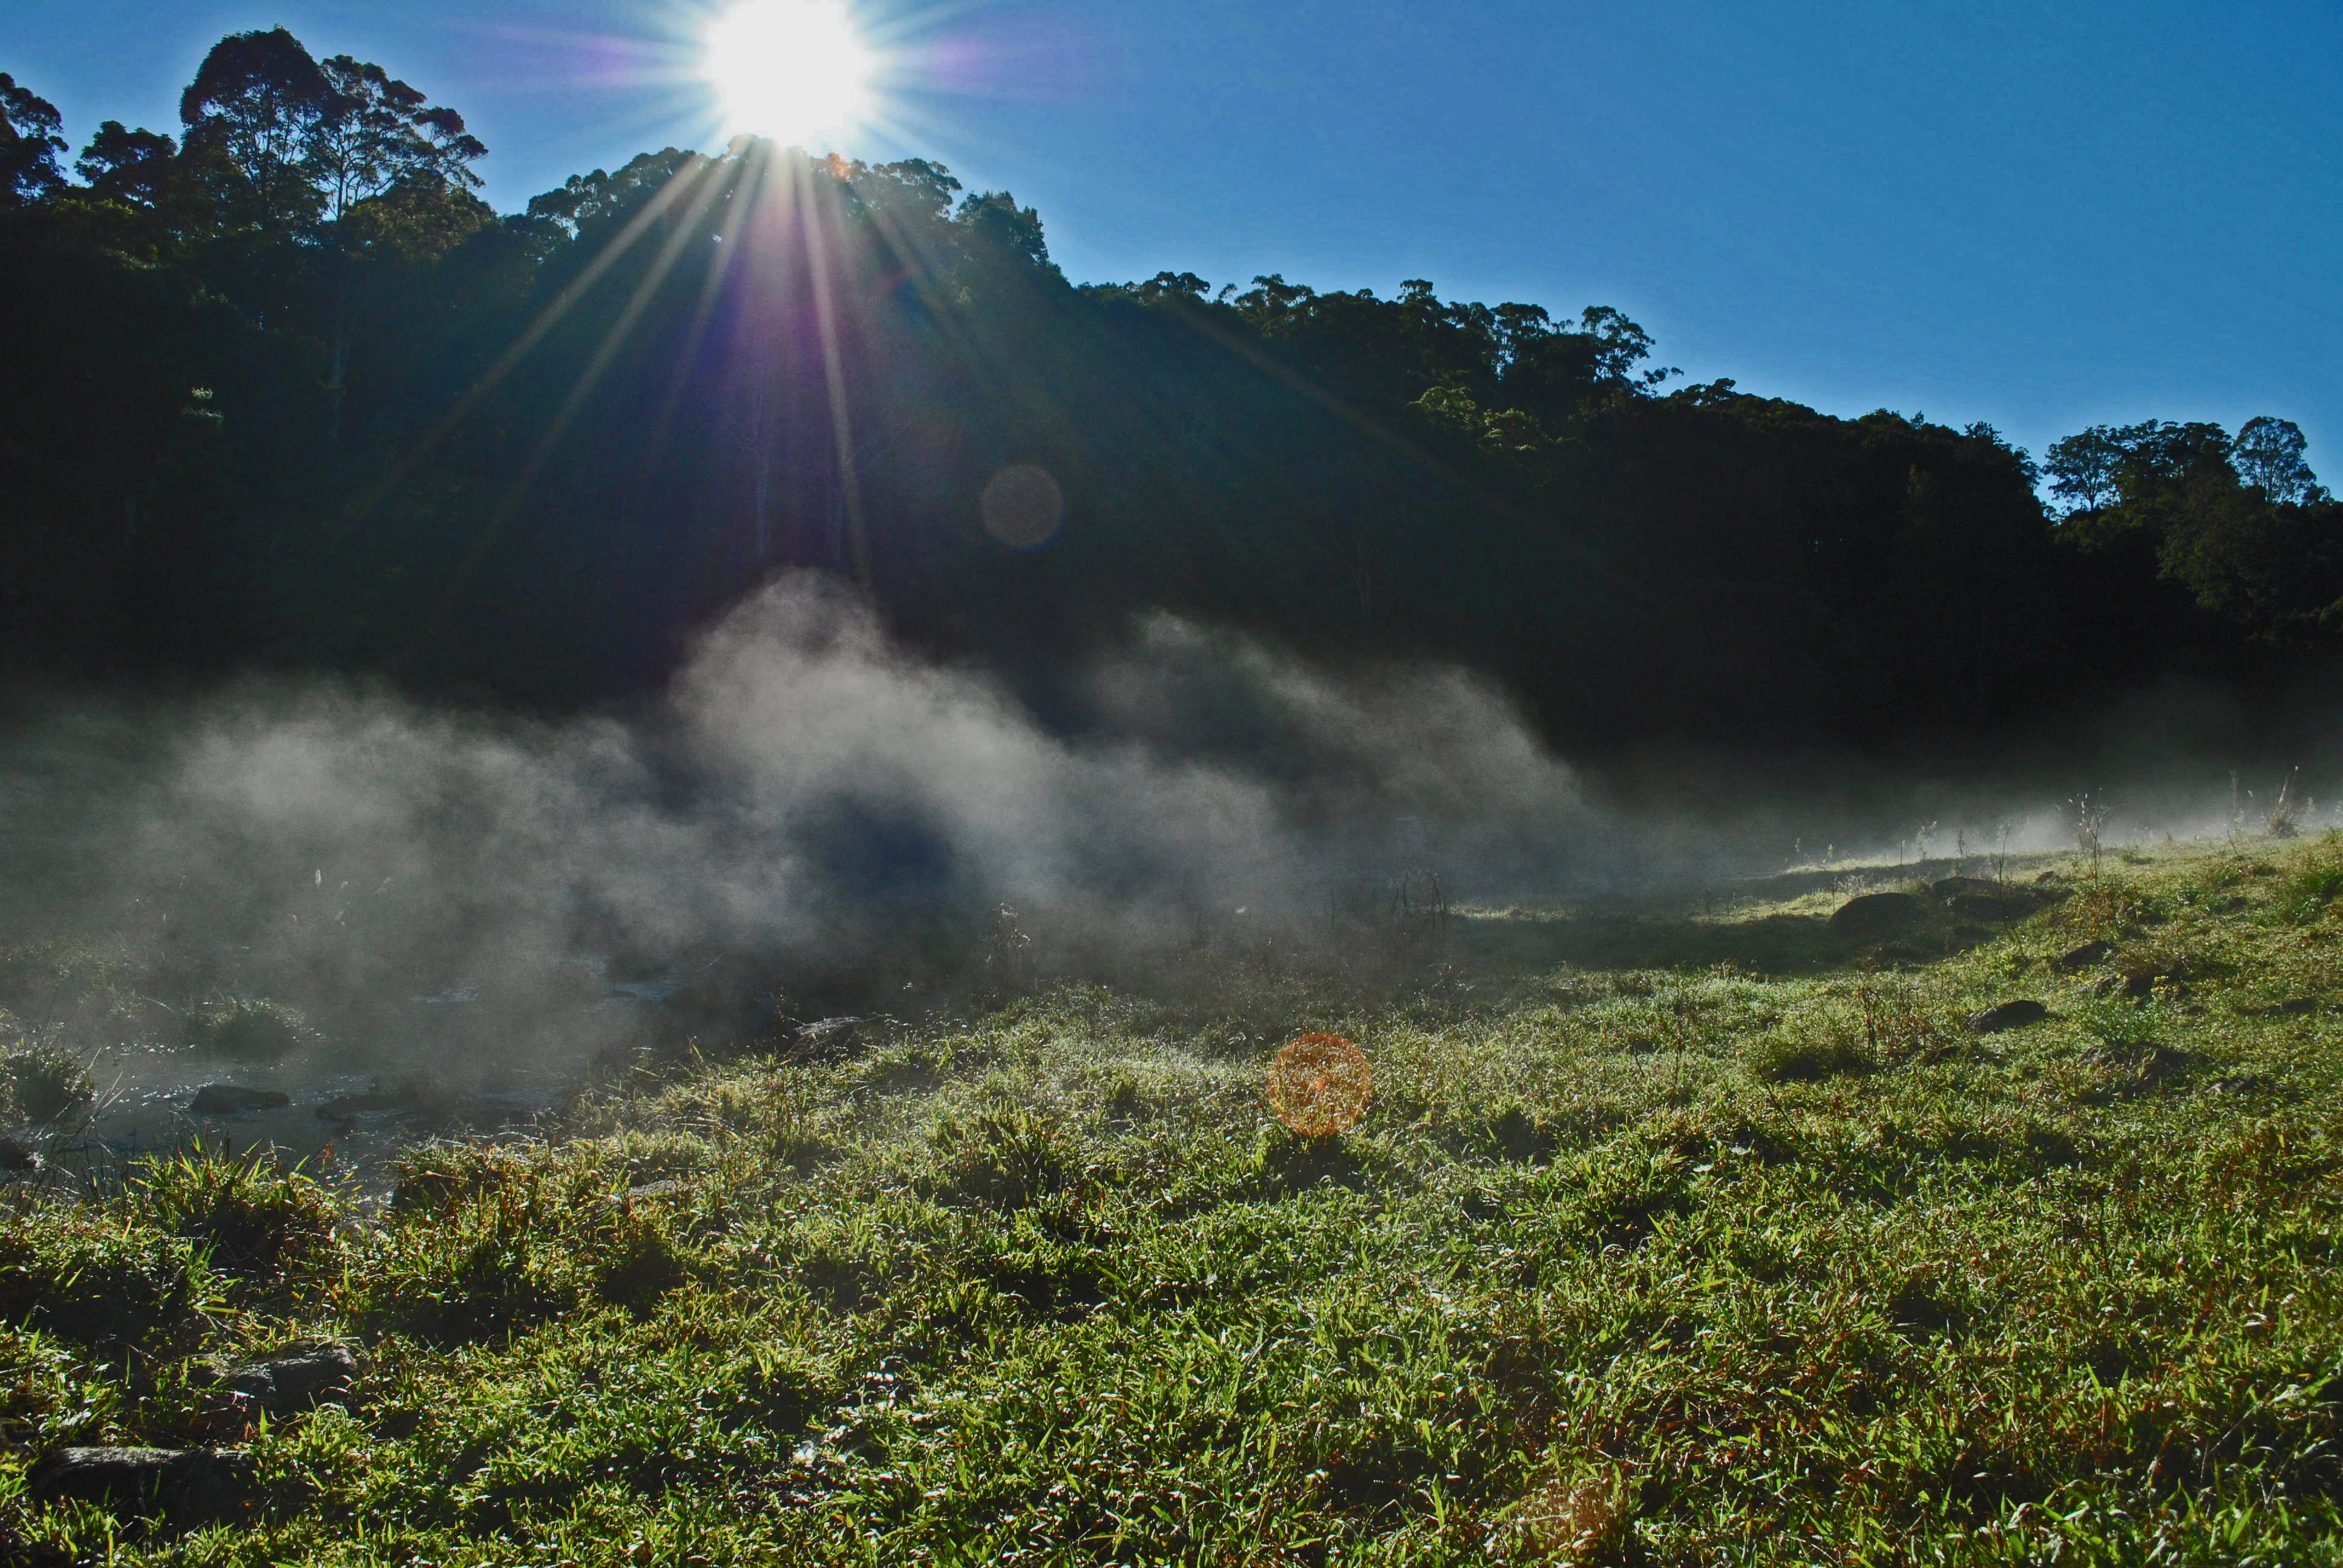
[
  {"x": 2284, "y": 818},
  {"x": 1007, "y": 960},
  {"x": 256, "y": 1218},
  {"x": 44, "y": 1085},
  {"x": 254, "y": 1031}
]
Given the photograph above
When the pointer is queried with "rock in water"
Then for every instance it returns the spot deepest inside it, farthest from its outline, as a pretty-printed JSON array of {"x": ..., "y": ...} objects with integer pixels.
[
  {"x": 2006, "y": 1015},
  {"x": 2074, "y": 960},
  {"x": 227, "y": 1099},
  {"x": 14, "y": 1156},
  {"x": 294, "y": 1379},
  {"x": 192, "y": 1485},
  {"x": 1877, "y": 914}
]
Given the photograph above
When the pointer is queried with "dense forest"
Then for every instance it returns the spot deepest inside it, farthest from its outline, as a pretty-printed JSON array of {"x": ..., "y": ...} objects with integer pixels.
[{"x": 282, "y": 392}]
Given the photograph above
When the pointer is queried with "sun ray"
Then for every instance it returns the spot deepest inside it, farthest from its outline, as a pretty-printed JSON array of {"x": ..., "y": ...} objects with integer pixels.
[
  {"x": 834, "y": 375},
  {"x": 518, "y": 349},
  {"x": 701, "y": 185},
  {"x": 747, "y": 194}
]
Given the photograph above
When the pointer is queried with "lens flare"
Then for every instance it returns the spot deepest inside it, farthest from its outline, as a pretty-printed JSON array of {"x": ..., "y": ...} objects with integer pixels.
[
  {"x": 795, "y": 70},
  {"x": 1022, "y": 506},
  {"x": 1319, "y": 1084}
]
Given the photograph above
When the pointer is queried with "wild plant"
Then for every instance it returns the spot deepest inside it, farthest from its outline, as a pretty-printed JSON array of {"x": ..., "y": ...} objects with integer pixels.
[
  {"x": 251, "y": 1031},
  {"x": 1415, "y": 911},
  {"x": 2304, "y": 896},
  {"x": 255, "y": 1217},
  {"x": 91, "y": 1276},
  {"x": 2090, "y": 819},
  {"x": 2284, "y": 818},
  {"x": 43, "y": 1086},
  {"x": 1007, "y": 957}
]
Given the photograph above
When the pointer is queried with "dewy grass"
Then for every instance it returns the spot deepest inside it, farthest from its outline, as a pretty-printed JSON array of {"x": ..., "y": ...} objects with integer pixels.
[
  {"x": 1672, "y": 1266},
  {"x": 41, "y": 1085}
]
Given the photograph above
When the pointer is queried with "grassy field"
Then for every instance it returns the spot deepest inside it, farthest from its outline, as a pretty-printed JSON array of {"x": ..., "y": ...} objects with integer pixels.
[{"x": 1687, "y": 1234}]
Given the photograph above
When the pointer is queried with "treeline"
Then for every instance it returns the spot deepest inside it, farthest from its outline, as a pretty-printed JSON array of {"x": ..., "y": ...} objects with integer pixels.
[{"x": 282, "y": 390}]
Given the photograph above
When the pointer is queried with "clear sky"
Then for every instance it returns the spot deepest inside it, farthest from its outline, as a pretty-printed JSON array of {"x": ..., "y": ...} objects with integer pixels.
[{"x": 2043, "y": 216}]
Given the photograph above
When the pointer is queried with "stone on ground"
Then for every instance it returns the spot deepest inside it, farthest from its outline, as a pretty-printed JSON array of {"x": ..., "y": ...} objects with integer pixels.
[{"x": 2006, "y": 1015}]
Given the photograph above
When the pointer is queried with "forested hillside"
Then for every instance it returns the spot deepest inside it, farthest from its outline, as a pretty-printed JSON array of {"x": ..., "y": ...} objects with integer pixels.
[{"x": 282, "y": 390}]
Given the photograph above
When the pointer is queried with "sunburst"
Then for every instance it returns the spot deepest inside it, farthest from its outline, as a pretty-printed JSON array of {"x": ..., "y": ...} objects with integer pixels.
[{"x": 798, "y": 71}]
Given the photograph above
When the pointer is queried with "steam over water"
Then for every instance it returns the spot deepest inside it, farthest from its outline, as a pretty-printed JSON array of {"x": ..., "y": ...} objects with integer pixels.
[
  {"x": 489, "y": 901},
  {"x": 807, "y": 788},
  {"x": 451, "y": 899}
]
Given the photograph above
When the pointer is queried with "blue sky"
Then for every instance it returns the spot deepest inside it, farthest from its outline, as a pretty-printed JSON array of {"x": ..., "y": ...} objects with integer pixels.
[{"x": 2040, "y": 215}]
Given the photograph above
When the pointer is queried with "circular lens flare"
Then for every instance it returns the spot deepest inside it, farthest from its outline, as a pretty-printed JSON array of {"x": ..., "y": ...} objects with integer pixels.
[
  {"x": 1022, "y": 506},
  {"x": 795, "y": 70},
  {"x": 1319, "y": 1084}
]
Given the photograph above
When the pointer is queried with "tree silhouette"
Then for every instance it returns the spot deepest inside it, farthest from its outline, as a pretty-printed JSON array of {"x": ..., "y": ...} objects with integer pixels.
[
  {"x": 253, "y": 115},
  {"x": 2267, "y": 455},
  {"x": 29, "y": 146},
  {"x": 530, "y": 454},
  {"x": 133, "y": 168}
]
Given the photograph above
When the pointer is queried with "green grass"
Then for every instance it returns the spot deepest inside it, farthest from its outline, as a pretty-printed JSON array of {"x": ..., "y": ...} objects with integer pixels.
[
  {"x": 41, "y": 1085},
  {"x": 1759, "y": 1259}
]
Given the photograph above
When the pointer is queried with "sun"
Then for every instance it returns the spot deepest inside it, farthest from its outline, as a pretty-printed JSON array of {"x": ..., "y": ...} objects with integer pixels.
[{"x": 794, "y": 70}]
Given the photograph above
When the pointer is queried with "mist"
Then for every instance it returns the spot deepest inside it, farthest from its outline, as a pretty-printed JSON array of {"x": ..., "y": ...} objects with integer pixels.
[
  {"x": 811, "y": 816},
  {"x": 815, "y": 819}
]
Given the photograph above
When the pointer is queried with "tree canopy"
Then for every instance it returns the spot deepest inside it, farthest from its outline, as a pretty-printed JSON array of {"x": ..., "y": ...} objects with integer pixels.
[{"x": 289, "y": 393}]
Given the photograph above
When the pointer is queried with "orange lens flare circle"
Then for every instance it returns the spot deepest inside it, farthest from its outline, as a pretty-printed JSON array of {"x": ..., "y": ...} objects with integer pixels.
[{"x": 1319, "y": 1084}]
